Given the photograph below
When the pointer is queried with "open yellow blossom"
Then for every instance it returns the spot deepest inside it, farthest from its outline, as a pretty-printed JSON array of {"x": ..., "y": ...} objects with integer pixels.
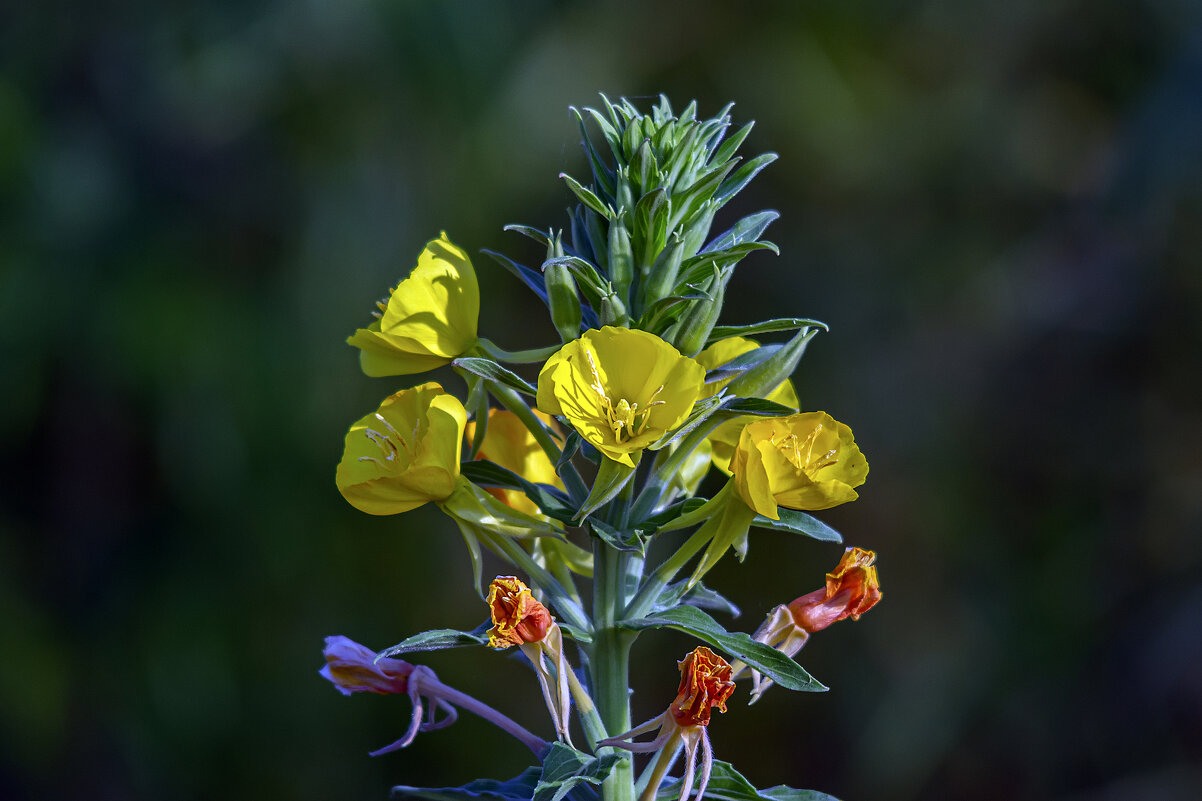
[
  {"x": 725, "y": 438},
  {"x": 428, "y": 320},
  {"x": 803, "y": 461},
  {"x": 510, "y": 444},
  {"x": 405, "y": 453},
  {"x": 622, "y": 389}
]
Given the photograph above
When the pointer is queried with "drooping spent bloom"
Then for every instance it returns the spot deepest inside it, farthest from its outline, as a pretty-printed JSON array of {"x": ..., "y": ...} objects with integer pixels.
[
  {"x": 621, "y": 388},
  {"x": 852, "y": 588},
  {"x": 429, "y": 318},
  {"x": 509, "y": 443},
  {"x": 706, "y": 682},
  {"x": 354, "y": 668},
  {"x": 404, "y": 454},
  {"x": 803, "y": 461},
  {"x": 518, "y": 618},
  {"x": 723, "y": 439}
]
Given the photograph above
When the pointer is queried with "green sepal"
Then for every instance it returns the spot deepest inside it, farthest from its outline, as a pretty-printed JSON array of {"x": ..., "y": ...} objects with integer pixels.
[
  {"x": 696, "y": 269},
  {"x": 727, "y": 784},
  {"x": 519, "y": 788},
  {"x": 611, "y": 477},
  {"x": 587, "y": 197},
  {"x": 439, "y": 640},
  {"x": 795, "y": 522},
  {"x": 621, "y": 258},
  {"x": 767, "y": 660},
  {"x": 544, "y": 239},
  {"x": 565, "y": 768},
  {"x": 766, "y": 327},
  {"x": 491, "y": 371}
]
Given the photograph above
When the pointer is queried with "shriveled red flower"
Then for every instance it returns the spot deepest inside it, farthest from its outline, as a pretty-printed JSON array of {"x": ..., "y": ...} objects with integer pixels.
[
  {"x": 705, "y": 683},
  {"x": 851, "y": 590},
  {"x": 517, "y": 617}
]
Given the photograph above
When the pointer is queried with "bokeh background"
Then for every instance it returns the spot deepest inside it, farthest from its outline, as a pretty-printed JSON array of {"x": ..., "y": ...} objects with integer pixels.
[{"x": 997, "y": 208}]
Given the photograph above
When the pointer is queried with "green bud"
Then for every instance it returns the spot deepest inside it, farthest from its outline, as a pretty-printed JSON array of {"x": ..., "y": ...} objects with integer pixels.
[
  {"x": 772, "y": 372},
  {"x": 613, "y": 311},
  {"x": 562, "y": 296},
  {"x": 660, "y": 279},
  {"x": 699, "y": 318},
  {"x": 621, "y": 258}
]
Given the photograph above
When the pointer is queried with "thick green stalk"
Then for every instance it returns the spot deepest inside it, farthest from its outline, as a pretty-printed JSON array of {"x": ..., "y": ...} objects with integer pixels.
[{"x": 610, "y": 660}]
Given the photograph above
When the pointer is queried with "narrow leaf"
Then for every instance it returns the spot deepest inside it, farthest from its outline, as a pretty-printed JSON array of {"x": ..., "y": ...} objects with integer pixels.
[
  {"x": 769, "y": 661},
  {"x": 766, "y": 327},
  {"x": 490, "y": 370},
  {"x": 727, "y": 784},
  {"x": 530, "y": 278},
  {"x": 565, "y": 768},
  {"x": 439, "y": 640},
  {"x": 587, "y": 197},
  {"x": 611, "y": 478},
  {"x": 552, "y": 501},
  {"x": 796, "y": 522},
  {"x": 747, "y": 229}
]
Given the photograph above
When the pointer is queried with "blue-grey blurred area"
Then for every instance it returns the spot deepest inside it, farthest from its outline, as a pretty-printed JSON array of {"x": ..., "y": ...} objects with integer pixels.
[{"x": 996, "y": 206}]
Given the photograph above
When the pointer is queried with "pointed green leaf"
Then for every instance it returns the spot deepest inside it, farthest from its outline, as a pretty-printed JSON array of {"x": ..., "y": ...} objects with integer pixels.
[
  {"x": 490, "y": 370},
  {"x": 740, "y": 179},
  {"x": 621, "y": 540},
  {"x": 796, "y": 522},
  {"x": 769, "y": 661},
  {"x": 587, "y": 197},
  {"x": 745, "y": 230},
  {"x": 550, "y": 500},
  {"x": 439, "y": 640},
  {"x": 766, "y": 327},
  {"x": 565, "y": 768}
]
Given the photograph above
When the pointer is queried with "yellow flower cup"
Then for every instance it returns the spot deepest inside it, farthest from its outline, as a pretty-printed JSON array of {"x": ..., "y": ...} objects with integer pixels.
[
  {"x": 429, "y": 319},
  {"x": 622, "y": 389},
  {"x": 804, "y": 461},
  {"x": 404, "y": 454}
]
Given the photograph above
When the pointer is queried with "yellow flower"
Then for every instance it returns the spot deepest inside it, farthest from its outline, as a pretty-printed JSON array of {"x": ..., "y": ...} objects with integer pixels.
[
  {"x": 803, "y": 461},
  {"x": 510, "y": 444},
  {"x": 430, "y": 317},
  {"x": 404, "y": 454},
  {"x": 725, "y": 437},
  {"x": 622, "y": 389}
]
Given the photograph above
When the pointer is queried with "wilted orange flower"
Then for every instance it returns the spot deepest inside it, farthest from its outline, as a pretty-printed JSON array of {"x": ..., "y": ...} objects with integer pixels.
[
  {"x": 516, "y": 616},
  {"x": 851, "y": 590},
  {"x": 705, "y": 683}
]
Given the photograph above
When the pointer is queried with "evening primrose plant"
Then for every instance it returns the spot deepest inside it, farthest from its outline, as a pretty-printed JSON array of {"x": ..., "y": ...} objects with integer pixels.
[{"x": 586, "y": 484}]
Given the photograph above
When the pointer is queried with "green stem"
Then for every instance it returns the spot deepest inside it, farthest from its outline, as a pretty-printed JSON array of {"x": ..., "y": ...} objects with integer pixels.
[
  {"x": 514, "y": 403},
  {"x": 610, "y": 660}
]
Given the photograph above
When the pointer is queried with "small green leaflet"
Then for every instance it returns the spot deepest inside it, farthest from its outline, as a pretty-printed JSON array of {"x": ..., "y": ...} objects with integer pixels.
[
  {"x": 565, "y": 768},
  {"x": 769, "y": 661},
  {"x": 796, "y": 522},
  {"x": 766, "y": 327},
  {"x": 490, "y": 370},
  {"x": 439, "y": 640}
]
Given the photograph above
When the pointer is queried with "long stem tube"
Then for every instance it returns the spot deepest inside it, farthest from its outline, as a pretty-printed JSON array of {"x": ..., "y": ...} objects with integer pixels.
[{"x": 464, "y": 701}]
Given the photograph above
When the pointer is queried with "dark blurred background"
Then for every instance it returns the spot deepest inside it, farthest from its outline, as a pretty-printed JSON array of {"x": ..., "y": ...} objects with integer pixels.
[{"x": 997, "y": 208}]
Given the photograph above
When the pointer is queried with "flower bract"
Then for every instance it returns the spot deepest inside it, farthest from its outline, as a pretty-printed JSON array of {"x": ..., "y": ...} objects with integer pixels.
[
  {"x": 622, "y": 389},
  {"x": 803, "y": 461},
  {"x": 404, "y": 454},
  {"x": 429, "y": 318}
]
